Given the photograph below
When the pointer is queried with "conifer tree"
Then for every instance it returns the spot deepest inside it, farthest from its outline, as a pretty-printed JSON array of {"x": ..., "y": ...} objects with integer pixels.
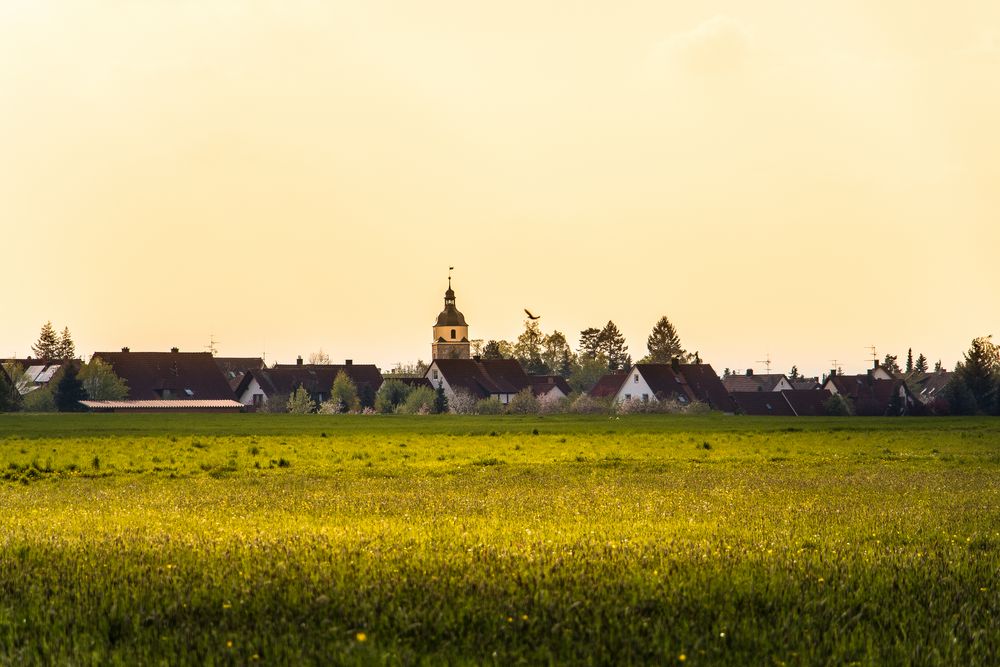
[
  {"x": 938, "y": 367},
  {"x": 69, "y": 391},
  {"x": 980, "y": 371},
  {"x": 664, "y": 343},
  {"x": 794, "y": 373},
  {"x": 909, "y": 360},
  {"x": 440, "y": 400},
  {"x": 67, "y": 348},
  {"x": 920, "y": 365},
  {"x": 611, "y": 343},
  {"x": 47, "y": 346},
  {"x": 590, "y": 343}
]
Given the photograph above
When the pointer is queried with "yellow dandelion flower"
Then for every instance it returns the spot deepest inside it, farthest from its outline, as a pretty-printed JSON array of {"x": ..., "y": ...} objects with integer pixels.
[
  {"x": 361, "y": 637},
  {"x": 682, "y": 657},
  {"x": 524, "y": 617},
  {"x": 229, "y": 644}
]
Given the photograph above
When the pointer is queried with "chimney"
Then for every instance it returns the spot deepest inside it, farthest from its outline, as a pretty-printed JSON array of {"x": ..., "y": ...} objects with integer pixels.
[
  {"x": 298, "y": 361},
  {"x": 675, "y": 364},
  {"x": 124, "y": 349},
  {"x": 876, "y": 364},
  {"x": 833, "y": 372},
  {"x": 175, "y": 350},
  {"x": 749, "y": 372},
  {"x": 348, "y": 362}
]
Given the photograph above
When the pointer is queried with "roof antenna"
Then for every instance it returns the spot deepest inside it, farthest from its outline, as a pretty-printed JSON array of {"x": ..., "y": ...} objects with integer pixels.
[
  {"x": 874, "y": 355},
  {"x": 767, "y": 362},
  {"x": 211, "y": 344}
]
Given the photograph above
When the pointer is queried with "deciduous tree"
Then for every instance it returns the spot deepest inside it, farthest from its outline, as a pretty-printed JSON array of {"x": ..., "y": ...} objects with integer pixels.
[
  {"x": 344, "y": 393},
  {"x": 300, "y": 402},
  {"x": 101, "y": 383}
]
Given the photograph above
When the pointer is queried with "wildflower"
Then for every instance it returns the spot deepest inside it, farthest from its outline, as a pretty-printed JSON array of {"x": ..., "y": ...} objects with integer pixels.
[
  {"x": 226, "y": 605},
  {"x": 524, "y": 617},
  {"x": 229, "y": 644},
  {"x": 361, "y": 637},
  {"x": 682, "y": 657}
]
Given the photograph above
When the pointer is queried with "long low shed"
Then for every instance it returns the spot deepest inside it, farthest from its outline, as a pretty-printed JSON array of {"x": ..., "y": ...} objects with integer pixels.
[{"x": 193, "y": 405}]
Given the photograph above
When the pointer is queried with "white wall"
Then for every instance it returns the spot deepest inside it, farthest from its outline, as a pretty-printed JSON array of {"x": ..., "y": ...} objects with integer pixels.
[
  {"x": 632, "y": 389},
  {"x": 246, "y": 398}
]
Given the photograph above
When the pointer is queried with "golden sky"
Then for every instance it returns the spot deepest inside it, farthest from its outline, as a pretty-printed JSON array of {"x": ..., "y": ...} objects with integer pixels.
[{"x": 799, "y": 179}]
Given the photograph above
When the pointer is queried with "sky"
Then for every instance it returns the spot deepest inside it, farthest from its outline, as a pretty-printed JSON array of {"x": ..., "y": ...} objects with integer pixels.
[{"x": 798, "y": 180}]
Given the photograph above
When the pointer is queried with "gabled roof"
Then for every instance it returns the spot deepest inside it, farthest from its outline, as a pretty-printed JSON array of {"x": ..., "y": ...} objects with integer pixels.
[
  {"x": 159, "y": 375},
  {"x": 806, "y": 383},
  {"x": 542, "y": 384},
  {"x": 483, "y": 377},
  {"x": 870, "y": 396},
  {"x": 763, "y": 403},
  {"x": 807, "y": 402},
  {"x": 755, "y": 382},
  {"x": 787, "y": 403},
  {"x": 284, "y": 379},
  {"x": 608, "y": 385},
  {"x": 704, "y": 383},
  {"x": 664, "y": 381},
  {"x": 927, "y": 387}
]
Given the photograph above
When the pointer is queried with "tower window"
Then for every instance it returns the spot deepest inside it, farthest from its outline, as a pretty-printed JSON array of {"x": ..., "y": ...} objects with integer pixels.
[{"x": 453, "y": 334}]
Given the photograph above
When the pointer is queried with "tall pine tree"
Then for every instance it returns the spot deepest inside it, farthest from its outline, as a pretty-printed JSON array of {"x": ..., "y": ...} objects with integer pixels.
[
  {"x": 590, "y": 343},
  {"x": 611, "y": 343},
  {"x": 920, "y": 365},
  {"x": 47, "y": 346},
  {"x": 909, "y": 360},
  {"x": 664, "y": 343}
]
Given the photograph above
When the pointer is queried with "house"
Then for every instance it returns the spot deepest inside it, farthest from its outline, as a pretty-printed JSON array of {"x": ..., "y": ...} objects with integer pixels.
[
  {"x": 235, "y": 367},
  {"x": 608, "y": 385},
  {"x": 871, "y": 395},
  {"x": 805, "y": 383},
  {"x": 685, "y": 383},
  {"x": 37, "y": 373},
  {"x": 498, "y": 379},
  {"x": 928, "y": 387},
  {"x": 880, "y": 372},
  {"x": 258, "y": 387},
  {"x": 547, "y": 388},
  {"x": 171, "y": 381},
  {"x": 788, "y": 403},
  {"x": 757, "y": 382}
]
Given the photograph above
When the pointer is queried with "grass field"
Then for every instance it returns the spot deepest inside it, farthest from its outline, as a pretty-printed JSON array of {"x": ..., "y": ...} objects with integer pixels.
[{"x": 236, "y": 539}]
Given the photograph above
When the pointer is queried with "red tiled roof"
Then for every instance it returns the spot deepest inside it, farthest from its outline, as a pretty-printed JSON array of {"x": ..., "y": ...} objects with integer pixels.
[
  {"x": 169, "y": 375},
  {"x": 317, "y": 379},
  {"x": 542, "y": 384},
  {"x": 608, "y": 385}
]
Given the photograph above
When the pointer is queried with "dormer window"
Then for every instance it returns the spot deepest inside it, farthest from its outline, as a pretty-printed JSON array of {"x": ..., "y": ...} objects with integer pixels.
[{"x": 453, "y": 334}]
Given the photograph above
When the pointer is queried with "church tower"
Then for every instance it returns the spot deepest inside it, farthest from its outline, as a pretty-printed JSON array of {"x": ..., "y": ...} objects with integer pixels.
[{"x": 451, "y": 333}]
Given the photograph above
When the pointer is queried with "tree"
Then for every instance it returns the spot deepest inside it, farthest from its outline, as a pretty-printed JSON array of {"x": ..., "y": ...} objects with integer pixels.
[
  {"x": 611, "y": 343},
  {"x": 47, "y": 346},
  {"x": 523, "y": 403},
  {"x": 586, "y": 373},
  {"x": 794, "y": 373},
  {"x": 528, "y": 349},
  {"x": 300, "y": 402},
  {"x": 67, "y": 348},
  {"x": 557, "y": 355},
  {"x": 419, "y": 402},
  {"x": 590, "y": 343},
  {"x": 418, "y": 369},
  {"x": 497, "y": 349},
  {"x": 959, "y": 398},
  {"x": 38, "y": 400},
  {"x": 101, "y": 383},
  {"x": 938, "y": 367},
  {"x": 909, "y": 360},
  {"x": 391, "y": 395},
  {"x": 10, "y": 397},
  {"x": 920, "y": 365},
  {"x": 319, "y": 358},
  {"x": 664, "y": 344},
  {"x": 980, "y": 372},
  {"x": 69, "y": 391},
  {"x": 726, "y": 372},
  {"x": 838, "y": 406},
  {"x": 890, "y": 365},
  {"x": 344, "y": 394},
  {"x": 440, "y": 400}
]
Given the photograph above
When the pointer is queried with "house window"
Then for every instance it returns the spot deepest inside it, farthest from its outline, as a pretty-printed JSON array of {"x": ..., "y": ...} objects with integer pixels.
[
  {"x": 453, "y": 334},
  {"x": 434, "y": 374},
  {"x": 257, "y": 400},
  {"x": 628, "y": 397},
  {"x": 636, "y": 378},
  {"x": 645, "y": 398}
]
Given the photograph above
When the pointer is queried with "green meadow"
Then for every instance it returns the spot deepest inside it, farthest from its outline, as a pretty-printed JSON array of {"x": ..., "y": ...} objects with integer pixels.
[{"x": 649, "y": 539}]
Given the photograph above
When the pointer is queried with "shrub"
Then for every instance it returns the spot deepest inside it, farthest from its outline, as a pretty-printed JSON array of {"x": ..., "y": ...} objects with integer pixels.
[
  {"x": 463, "y": 403},
  {"x": 585, "y": 404},
  {"x": 391, "y": 395},
  {"x": 39, "y": 400},
  {"x": 419, "y": 402},
  {"x": 344, "y": 394},
  {"x": 523, "y": 403},
  {"x": 490, "y": 406},
  {"x": 301, "y": 402},
  {"x": 838, "y": 406}
]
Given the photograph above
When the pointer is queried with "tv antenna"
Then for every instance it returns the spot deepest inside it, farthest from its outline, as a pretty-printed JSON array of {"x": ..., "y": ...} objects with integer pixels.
[
  {"x": 874, "y": 354},
  {"x": 211, "y": 344},
  {"x": 767, "y": 362},
  {"x": 836, "y": 366}
]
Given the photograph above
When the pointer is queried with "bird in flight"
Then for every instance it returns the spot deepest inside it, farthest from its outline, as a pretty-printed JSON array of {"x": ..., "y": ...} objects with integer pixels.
[{"x": 530, "y": 316}]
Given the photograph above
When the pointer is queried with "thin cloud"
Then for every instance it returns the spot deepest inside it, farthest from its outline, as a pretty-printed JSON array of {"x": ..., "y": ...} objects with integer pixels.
[{"x": 718, "y": 45}]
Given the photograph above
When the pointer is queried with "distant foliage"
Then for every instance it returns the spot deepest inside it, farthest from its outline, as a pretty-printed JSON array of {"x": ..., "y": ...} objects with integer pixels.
[
  {"x": 344, "y": 393},
  {"x": 664, "y": 343},
  {"x": 980, "y": 373},
  {"x": 319, "y": 358},
  {"x": 463, "y": 403},
  {"x": 497, "y": 349},
  {"x": 10, "y": 397},
  {"x": 39, "y": 400},
  {"x": 920, "y": 365},
  {"x": 391, "y": 395},
  {"x": 301, "y": 402},
  {"x": 420, "y": 401},
  {"x": 490, "y": 406},
  {"x": 101, "y": 383},
  {"x": 440, "y": 400},
  {"x": 586, "y": 373},
  {"x": 69, "y": 391},
  {"x": 584, "y": 404},
  {"x": 890, "y": 364},
  {"x": 838, "y": 406},
  {"x": 47, "y": 346}
]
